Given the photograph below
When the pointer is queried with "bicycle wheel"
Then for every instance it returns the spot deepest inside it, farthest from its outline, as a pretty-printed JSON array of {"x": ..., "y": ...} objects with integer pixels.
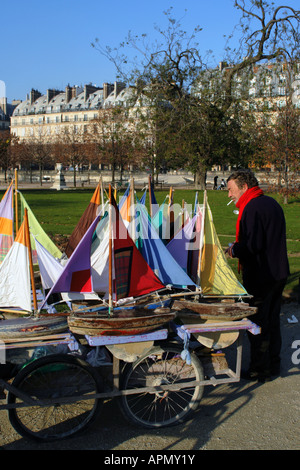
[
  {"x": 162, "y": 365},
  {"x": 55, "y": 377}
]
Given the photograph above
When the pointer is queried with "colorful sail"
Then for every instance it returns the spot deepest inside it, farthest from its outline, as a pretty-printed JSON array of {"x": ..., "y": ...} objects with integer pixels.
[
  {"x": 152, "y": 199},
  {"x": 182, "y": 242},
  {"x": 125, "y": 205},
  {"x": 167, "y": 220},
  {"x": 85, "y": 221},
  {"x": 143, "y": 198},
  {"x": 159, "y": 219},
  {"x": 50, "y": 270},
  {"x": 157, "y": 255},
  {"x": 6, "y": 222},
  {"x": 216, "y": 277},
  {"x": 50, "y": 267},
  {"x": 37, "y": 233},
  {"x": 76, "y": 276},
  {"x": 15, "y": 291},
  {"x": 87, "y": 269},
  {"x": 133, "y": 277}
]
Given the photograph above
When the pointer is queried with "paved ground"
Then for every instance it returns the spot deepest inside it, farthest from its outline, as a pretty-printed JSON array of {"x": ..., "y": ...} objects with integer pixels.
[{"x": 240, "y": 416}]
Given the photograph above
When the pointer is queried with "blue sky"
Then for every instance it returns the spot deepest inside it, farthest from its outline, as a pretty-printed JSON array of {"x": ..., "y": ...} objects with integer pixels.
[{"x": 47, "y": 43}]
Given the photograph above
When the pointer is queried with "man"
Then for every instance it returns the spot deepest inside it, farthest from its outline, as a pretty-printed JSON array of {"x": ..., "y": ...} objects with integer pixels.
[
  {"x": 260, "y": 246},
  {"x": 215, "y": 182}
]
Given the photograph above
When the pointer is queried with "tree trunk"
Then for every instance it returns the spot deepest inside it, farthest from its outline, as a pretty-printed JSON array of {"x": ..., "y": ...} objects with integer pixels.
[
  {"x": 41, "y": 174},
  {"x": 200, "y": 179}
]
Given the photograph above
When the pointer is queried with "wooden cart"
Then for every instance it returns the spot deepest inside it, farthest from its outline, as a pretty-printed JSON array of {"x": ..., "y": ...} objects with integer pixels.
[{"x": 158, "y": 378}]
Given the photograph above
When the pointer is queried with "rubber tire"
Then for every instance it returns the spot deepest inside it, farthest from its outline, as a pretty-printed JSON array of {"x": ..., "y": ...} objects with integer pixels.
[
  {"x": 48, "y": 372},
  {"x": 173, "y": 407}
]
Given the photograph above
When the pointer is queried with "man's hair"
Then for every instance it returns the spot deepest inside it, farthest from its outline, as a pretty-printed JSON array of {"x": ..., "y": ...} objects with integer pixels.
[{"x": 243, "y": 176}]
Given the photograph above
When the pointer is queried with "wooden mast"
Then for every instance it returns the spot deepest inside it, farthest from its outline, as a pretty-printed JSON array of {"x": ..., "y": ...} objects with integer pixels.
[
  {"x": 171, "y": 213},
  {"x": 201, "y": 240},
  {"x": 16, "y": 200},
  {"x": 110, "y": 281},
  {"x": 101, "y": 192},
  {"x": 132, "y": 210},
  {"x": 28, "y": 244},
  {"x": 150, "y": 196}
]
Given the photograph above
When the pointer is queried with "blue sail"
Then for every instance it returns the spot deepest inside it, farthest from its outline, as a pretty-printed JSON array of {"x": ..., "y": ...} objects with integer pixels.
[
  {"x": 180, "y": 244},
  {"x": 157, "y": 255}
]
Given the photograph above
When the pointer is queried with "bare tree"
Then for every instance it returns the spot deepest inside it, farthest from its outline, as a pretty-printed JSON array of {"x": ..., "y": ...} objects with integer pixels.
[
  {"x": 70, "y": 149},
  {"x": 113, "y": 135},
  {"x": 267, "y": 33},
  {"x": 173, "y": 65}
]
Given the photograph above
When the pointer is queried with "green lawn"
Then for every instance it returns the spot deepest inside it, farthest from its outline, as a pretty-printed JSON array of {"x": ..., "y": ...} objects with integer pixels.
[{"x": 59, "y": 211}]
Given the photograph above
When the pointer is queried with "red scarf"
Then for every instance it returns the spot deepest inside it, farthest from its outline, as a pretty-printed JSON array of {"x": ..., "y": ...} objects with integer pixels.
[{"x": 251, "y": 193}]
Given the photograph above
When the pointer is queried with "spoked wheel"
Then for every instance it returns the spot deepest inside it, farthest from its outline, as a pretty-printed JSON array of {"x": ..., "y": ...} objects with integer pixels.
[
  {"x": 162, "y": 365},
  {"x": 65, "y": 380}
]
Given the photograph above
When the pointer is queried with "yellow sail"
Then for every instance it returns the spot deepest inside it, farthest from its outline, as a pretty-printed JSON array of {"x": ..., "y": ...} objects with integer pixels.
[{"x": 216, "y": 276}]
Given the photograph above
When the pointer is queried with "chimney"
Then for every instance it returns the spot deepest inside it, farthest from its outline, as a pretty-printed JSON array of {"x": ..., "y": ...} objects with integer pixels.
[
  {"x": 51, "y": 94},
  {"x": 107, "y": 89},
  {"x": 119, "y": 86},
  {"x": 34, "y": 95},
  {"x": 88, "y": 89},
  {"x": 69, "y": 93},
  {"x": 74, "y": 91}
]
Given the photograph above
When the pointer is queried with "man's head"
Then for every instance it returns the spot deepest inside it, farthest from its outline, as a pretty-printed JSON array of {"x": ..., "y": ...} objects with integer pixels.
[{"x": 238, "y": 183}]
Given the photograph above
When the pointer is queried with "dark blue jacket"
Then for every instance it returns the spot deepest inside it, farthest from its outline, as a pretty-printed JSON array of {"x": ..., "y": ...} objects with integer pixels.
[{"x": 262, "y": 245}]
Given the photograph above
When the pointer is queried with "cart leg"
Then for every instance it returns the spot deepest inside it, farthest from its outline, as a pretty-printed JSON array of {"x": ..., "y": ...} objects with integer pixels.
[
  {"x": 239, "y": 350},
  {"x": 116, "y": 373}
]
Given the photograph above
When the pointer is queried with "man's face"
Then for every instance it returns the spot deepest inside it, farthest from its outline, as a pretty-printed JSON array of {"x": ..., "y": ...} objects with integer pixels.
[{"x": 234, "y": 192}]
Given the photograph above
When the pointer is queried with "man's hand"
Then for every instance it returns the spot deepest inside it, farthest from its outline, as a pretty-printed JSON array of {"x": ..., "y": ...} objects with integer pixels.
[{"x": 230, "y": 250}]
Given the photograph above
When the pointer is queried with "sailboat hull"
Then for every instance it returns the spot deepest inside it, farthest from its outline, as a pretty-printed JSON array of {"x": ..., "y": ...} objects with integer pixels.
[
  {"x": 123, "y": 322},
  {"x": 26, "y": 327},
  {"x": 212, "y": 311}
]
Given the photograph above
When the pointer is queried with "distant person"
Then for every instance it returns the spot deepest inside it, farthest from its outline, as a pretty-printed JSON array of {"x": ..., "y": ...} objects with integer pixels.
[
  {"x": 260, "y": 246},
  {"x": 215, "y": 182},
  {"x": 223, "y": 184}
]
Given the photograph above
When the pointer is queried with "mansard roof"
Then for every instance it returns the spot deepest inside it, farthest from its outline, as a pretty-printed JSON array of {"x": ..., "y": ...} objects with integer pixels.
[
  {"x": 58, "y": 101},
  {"x": 80, "y": 98}
]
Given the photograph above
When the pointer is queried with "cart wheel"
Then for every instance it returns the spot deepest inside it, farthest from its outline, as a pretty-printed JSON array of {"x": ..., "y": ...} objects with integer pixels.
[
  {"x": 162, "y": 365},
  {"x": 55, "y": 377}
]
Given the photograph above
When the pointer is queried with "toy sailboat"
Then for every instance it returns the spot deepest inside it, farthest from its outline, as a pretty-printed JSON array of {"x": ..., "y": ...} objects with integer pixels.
[
  {"x": 122, "y": 273},
  {"x": 18, "y": 295}
]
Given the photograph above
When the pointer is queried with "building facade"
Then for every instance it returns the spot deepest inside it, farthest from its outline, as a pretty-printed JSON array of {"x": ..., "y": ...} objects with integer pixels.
[
  {"x": 47, "y": 116},
  {"x": 6, "y": 111},
  {"x": 271, "y": 82}
]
